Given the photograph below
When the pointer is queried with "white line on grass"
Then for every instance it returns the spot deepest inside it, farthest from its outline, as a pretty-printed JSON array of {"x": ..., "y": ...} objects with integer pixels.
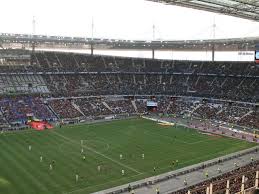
[
  {"x": 175, "y": 139},
  {"x": 96, "y": 152},
  {"x": 9, "y": 133},
  {"x": 107, "y": 146},
  {"x": 147, "y": 172}
]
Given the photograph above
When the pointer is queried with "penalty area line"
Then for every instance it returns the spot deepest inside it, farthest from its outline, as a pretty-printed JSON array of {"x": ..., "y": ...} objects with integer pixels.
[{"x": 98, "y": 153}]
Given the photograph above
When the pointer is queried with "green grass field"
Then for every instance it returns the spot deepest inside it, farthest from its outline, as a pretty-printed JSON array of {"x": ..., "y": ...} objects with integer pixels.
[{"x": 21, "y": 171}]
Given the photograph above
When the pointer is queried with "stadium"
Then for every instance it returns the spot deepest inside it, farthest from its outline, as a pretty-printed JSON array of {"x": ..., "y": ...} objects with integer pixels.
[{"x": 123, "y": 109}]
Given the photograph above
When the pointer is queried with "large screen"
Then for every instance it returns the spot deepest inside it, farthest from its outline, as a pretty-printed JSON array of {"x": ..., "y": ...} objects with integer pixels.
[
  {"x": 257, "y": 56},
  {"x": 151, "y": 103},
  {"x": 151, "y": 106}
]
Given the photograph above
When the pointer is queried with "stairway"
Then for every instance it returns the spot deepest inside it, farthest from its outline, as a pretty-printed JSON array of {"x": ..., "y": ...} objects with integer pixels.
[
  {"x": 134, "y": 105},
  {"x": 220, "y": 111},
  {"x": 195, "y": 108},
  {"x": 107, "y": 106},
  {"x": 247, "y": 114},
  {"x": 77, "y": 107},
  {"x": 52, "y": 110}
]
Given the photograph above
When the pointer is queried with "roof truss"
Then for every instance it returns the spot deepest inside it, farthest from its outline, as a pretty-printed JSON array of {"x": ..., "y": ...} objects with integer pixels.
[{"x": 246, "y": 9}]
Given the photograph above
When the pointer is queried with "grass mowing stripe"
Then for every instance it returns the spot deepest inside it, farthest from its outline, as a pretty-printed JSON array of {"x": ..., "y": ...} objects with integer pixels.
[
  {"x": 96, "y": 152},
  {"x": 20, "y": 162},
  {"x": 92, "y": 186},
  {"x": 79, "y": 162},
  {"x": 125, "y": 137},
  {"x": 7, "y": 173},
  {"x": 41, "y": 169},
  {"x": 29, "y": 157}
]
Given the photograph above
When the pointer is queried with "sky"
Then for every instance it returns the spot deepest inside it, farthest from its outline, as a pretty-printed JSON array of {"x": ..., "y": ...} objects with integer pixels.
[{"x": 119, "y": 19}]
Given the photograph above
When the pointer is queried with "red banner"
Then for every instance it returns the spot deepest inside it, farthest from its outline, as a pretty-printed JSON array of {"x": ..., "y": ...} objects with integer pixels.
[{"x": 39, "y": 125}]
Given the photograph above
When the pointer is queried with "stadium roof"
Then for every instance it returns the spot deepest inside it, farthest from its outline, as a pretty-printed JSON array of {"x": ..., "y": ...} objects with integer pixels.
[
  {"x": 234, "y": 44},
  {"x": 247, "y": 9}
]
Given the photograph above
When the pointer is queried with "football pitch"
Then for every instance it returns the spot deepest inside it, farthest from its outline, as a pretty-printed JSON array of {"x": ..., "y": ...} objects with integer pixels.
[{"x": 22, "y": 172}]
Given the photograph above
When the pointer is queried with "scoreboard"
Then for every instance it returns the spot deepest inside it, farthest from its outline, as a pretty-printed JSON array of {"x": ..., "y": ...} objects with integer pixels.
[
  {"x": 151, "y": 106},
  {"x": 257, "y": 53},
  {"x": 257, "y": 56}
]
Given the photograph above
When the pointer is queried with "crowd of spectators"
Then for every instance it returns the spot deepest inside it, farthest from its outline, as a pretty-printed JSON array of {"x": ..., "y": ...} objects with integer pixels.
[
  {"x": 220, "y": 182},
  {"x": 58, "y": 61},
  {"x": 237, "y": 113},
  {"x": 98, "y": 63},
  {"x": 251, "y": 120},
  {"x": 92, "y": 107},
  {"x": 71, "y": 74},
  {"x": 3, "y": 122},
  {"x": 155, "y": 84},
  {"x": 78, "y": 76},
  {"x": 121, "y": 106},
  {"x": 16, "y": 109},
  {"x": 72, "y": 78},
  {"x": 64, "y": 108}
]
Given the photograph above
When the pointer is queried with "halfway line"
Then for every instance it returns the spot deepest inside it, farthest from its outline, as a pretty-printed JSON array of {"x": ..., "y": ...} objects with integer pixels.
[{"x": 96, "y": 152}]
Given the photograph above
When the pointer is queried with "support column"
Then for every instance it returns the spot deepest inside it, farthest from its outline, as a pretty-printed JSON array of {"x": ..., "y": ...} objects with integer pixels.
[
  {"x": 208, "y": 190},
  {"x": 257, "y": 180},
  {"x": 92, "y": 49},
  {"x": 213, "y": 52},
  {"x": 211, "y": 188},
  {"x": 153, "y": 53},
  {"x": 227, "y": 189},
  {"x": 243, "y": 184}
]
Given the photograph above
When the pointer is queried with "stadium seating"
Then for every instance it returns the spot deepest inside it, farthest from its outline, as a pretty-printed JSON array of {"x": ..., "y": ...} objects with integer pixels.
[
  {"x": 67, "y": 86},
  {"x": 15, "y": 109},
  {"x": 78, "y": 76},
  {"x": 220, "y": 182}
]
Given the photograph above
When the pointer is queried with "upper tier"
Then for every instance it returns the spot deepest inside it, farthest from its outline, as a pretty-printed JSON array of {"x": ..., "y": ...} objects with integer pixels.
[{"x": 72, "y": 62}]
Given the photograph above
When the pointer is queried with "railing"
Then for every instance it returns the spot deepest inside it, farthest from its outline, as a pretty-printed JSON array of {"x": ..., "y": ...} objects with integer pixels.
[
  {"x": 229, "y": 185},
  {"x": 248, "y": 191},
  {"x": 186, "y": 170}
]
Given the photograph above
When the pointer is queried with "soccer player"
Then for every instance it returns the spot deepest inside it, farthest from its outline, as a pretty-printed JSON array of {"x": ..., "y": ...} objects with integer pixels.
[
  {"x": 252, "y": 159},
  {"x": 122, "y": 172},
  {"x": 99, "y": 168},
  {"x": 50, "y": 167},
  {"x": 29, "y": 147},
  {"x": 157, "y": 191},
  {"x": 77, "y": 177},
  {"x": 129, "y": 188},
  {"x": 143, "y": 156},
  {"x": 83, "y": 157},
  {"x": 41, "y": 158},
  {"x": 185, "y": 181},
  {"x": 120, "y": 156},
  {"x": 82, "y": 150},
  {"x": 173, "y": 163},
  {"x": 154, "y": 169},
  {"x": 206, "y": 174}
]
